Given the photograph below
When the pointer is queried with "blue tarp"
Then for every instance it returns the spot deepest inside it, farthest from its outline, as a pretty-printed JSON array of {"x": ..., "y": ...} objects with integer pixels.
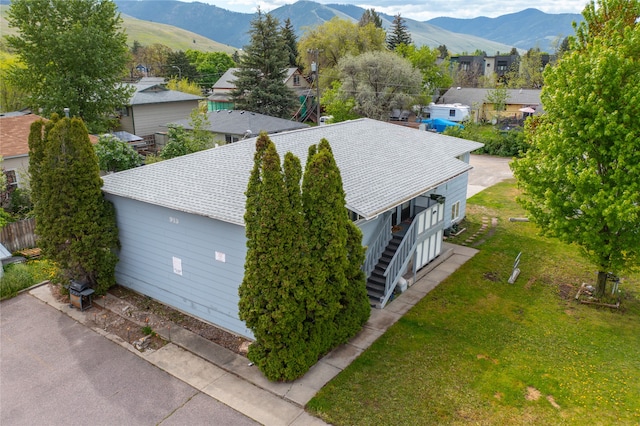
[{"x": 440, "y": 124}]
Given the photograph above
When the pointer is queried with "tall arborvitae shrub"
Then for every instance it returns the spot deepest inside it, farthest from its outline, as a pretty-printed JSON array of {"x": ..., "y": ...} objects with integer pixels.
[
  {"x": 270, "y": 300},
  {"x": 303, "y": 292},
  {"x": 324, "y": 207},
  {"x": 354, "y": 303},
  {"x": 75, "y": 224}
]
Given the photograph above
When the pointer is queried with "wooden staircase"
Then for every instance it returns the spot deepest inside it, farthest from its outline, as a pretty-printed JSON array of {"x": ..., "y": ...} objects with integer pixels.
[{"x": 377, "y": 280}]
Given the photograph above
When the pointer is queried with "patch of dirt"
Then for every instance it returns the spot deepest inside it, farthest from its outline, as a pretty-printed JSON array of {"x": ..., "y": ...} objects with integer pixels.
[
  {"x": 113, "y": 323},
  {"x": 553, "y": 402},
  {"x": 566, "y": 291},
  {"x": 491, "y": 276},
  {"x": 533, "y": 394},
  {"x": 487, "y": 357},
  {"x": 131, "y": 313}
]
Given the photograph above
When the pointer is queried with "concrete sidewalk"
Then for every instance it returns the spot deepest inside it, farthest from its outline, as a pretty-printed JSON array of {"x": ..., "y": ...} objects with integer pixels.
[{"x": 229, "y": 377}]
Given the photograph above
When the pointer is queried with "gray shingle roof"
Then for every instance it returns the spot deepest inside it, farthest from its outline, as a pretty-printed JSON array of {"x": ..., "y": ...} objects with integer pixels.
[
  {"x": 232, "y": 122},
  {"x": 155, "y": 93},
  {"x": 471, "y": 96},
  {"x": 228, "y": 79},
  {"x": 382, "y": 165}
]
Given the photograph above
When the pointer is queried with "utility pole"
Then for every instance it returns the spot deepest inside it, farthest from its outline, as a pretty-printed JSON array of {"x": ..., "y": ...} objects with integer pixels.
[{"x": 315, "y": 67}]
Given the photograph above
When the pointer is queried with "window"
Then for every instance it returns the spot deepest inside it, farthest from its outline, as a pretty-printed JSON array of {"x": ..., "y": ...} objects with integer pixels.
[
  {"x": 354, "y": 216},
  {"x": 231, "y": 138},
  {"x": 296, "y": 80},
  {"x": 455, "y": 211},
  {"x": 12, "y": 180},
  {"x": 452, "y": 113}
]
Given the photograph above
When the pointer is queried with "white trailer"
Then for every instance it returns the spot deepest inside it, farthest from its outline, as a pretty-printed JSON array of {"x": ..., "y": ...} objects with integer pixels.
[{"x": 451, "y": 112}]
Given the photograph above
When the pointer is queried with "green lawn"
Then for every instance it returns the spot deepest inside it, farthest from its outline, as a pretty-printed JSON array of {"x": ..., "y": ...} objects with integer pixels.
[{"x": 479, "y": 350}]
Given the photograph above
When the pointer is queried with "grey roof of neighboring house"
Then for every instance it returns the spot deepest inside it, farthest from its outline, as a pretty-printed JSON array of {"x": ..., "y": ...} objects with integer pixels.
[
  {"x": 233, "y": 122},
  {"x": 156, "y": 93},
  {"x": 382, "y": 165},
  {"x": 227, "y": 81},
  {"x": 471, "y": 96}
]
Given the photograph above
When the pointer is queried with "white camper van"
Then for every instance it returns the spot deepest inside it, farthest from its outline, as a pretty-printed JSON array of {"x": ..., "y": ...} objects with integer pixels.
[{"x": 451, "y": 112}]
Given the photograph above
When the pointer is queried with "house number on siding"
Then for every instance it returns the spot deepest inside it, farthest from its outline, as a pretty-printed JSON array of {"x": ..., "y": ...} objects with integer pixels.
[{"x": 173, "y": 220}]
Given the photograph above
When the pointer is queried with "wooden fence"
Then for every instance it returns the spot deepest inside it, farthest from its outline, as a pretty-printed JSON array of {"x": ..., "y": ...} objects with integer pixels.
[{"x": 19, "y": 235}]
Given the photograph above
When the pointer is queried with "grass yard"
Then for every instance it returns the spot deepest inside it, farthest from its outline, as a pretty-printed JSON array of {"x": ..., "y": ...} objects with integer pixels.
[{"x": 479, "y": 350}]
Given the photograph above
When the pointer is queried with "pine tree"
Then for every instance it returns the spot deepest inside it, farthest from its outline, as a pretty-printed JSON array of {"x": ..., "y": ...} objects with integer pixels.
[
  {"x": 370, "y": 16},
  {"x": 74, "y": 222},
  {"x": 291, "y": 43},
  {"x": 260, "y": 85},
  {"x": 398, "y": 34}
]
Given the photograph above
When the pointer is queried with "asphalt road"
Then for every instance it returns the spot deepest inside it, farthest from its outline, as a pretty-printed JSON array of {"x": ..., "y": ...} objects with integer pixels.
[
  {"x": 55, "y": 371},
  {"x": 487, "y": 171}
]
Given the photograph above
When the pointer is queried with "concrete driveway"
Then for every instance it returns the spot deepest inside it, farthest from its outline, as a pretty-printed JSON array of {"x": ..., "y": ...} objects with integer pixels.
[
  {"x": 487, "y": 171},
  {"x": 55, "y": 371}
]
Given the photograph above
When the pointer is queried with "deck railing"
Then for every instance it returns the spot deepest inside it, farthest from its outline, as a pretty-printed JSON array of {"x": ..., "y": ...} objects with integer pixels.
[
  {"x": 400, "y": 260},
  {"x": 375, "y": 250}
]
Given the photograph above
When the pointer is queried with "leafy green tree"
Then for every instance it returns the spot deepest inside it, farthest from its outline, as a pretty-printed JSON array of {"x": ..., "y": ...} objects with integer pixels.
[
  {"x": 334, "y": 40},
  {"x": 74, "y": 52},
  {"x": 210, "y": 65},
  {"x": 434, "y": 73},
  {"x": 498, "y": 98},
  {"x": 183, "y": 142},
  {"x": 341, "y": 107},
  {"x": 260, "y": 85},
  {"x": 370, "y": 16},
  {"x": 398, "y": 33},
  {"x": 179, "y": 67},
  {"x": 184, "y": 85},
  {"x": 115, "y": 155},
  {"x": 74, "y": 222},
  {"x": 11, "y": 97},
  {"x": 379, "y": 82},
  {"x": 581, "y": 176}
]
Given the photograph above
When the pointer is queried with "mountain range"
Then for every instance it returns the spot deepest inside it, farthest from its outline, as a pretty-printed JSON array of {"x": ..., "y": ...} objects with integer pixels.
[{"x": 523, "y": 30}]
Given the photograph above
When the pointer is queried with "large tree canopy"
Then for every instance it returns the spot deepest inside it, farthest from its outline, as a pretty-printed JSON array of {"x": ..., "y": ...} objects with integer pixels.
[
  {"x": 581, "y": 176},
  {"x": 336, "y": 39},
  {"x": 75, "y": 54},
  {"x": 379, "y": 82}
]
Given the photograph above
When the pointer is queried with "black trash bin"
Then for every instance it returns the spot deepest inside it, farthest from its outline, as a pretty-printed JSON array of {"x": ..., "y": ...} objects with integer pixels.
[{"x": 80, "y": 295}]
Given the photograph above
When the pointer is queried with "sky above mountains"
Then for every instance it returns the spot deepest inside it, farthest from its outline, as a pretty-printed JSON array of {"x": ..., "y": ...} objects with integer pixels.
[{"x": 422, "y": 10}]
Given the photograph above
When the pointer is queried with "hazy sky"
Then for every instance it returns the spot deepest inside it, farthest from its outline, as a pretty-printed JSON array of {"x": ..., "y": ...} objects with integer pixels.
[{"x": 422, "y": 10}]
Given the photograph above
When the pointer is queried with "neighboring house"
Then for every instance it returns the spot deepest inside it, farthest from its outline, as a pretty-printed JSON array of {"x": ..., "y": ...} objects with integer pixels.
[
  {"x": 220, "y": 98},
  {"x": 482, "y": 110},
  {"x": 232, "y": 126},
  {"x": 14, "y": 146},
  {"x": 181, "y": 221},
  {"x": 152, "y": 106}
]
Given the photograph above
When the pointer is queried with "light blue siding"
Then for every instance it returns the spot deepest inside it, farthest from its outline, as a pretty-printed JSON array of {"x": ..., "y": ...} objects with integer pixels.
[
  {"x": 211, "y": 255},
  {"x": 456, "y": 191}
]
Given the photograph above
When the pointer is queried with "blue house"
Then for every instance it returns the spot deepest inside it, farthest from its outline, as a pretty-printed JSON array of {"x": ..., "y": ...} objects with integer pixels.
[{"x": 182, "y": 228}]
